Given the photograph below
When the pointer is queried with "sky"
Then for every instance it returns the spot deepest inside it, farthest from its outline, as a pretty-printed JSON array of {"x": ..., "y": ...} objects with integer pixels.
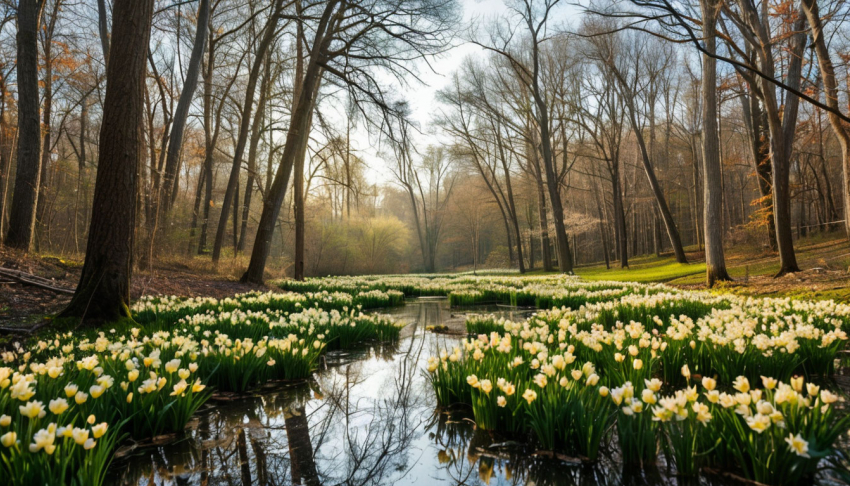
[{"x": 422, "y": 98}]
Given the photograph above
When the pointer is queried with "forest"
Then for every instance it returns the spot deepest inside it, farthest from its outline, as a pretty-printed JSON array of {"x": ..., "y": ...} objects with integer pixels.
[
  {"x": 291, "y": 137},
  {"x": 526, "y": 241}
]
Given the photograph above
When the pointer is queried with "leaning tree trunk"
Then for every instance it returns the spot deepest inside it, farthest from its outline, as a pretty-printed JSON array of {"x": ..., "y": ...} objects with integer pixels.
[
  {"x": 715, "y": 260},
  {"x": 667, "y": 216},
  {"x": 28, "y": 173},
  {"x": 103, "y": 293},
  {"x": 256, "y": 131},
  {"x": 295, "y": 147},
  {"x": 181, "y": 114},
  {"x": 244, "y": 126}
]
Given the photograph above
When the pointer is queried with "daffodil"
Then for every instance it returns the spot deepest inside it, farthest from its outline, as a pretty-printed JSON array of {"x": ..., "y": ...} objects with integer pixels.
[{"x": 798, "y": 445}]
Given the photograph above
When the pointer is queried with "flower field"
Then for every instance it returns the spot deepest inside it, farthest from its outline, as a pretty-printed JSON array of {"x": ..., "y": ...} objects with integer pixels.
[
  {"x": 644, "y": 374},
  {"x": 709, "y": 382},
  {"x": 706, "y": 381},
  {"x": 67, "y": 400}
]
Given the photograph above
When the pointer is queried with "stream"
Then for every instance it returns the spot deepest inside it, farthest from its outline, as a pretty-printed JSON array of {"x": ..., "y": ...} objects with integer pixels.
[{"x": 366, "y": 418}]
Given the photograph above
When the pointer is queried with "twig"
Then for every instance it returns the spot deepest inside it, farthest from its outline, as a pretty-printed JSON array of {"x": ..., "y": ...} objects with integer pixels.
[{"x": 29, "y": 279}]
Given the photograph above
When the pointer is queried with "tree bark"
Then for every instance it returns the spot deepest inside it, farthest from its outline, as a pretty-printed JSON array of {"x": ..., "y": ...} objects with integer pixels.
[
  {"x": 103, "y": 293},
  {"x": 256, "y": 131},
  {"x": 715, "y": 259},
  {"x": 28, "y": 173},
  {"x": 103, "y": 28}
]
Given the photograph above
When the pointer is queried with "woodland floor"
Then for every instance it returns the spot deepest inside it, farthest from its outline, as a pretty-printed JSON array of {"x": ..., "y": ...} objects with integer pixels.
[
  {"x": 23, "y": 306},
  {"x": 825, "y": 260}
]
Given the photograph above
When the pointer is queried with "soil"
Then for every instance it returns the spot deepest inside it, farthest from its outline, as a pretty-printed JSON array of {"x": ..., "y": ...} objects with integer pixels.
[{"x": 23, "y": 306}]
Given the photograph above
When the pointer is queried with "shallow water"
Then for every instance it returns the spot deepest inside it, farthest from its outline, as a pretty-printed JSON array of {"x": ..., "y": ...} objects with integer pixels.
[{"x": 367, "y": 418}]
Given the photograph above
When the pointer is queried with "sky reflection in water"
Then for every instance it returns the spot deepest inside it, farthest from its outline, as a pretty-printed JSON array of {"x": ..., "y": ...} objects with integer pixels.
[{"x": 366, "y": 419}]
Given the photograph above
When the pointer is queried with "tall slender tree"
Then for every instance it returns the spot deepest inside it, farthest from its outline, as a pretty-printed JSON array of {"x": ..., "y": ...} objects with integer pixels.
[
  {"x": 103, "y": 293},
  {"x": 28, "y": 173}
]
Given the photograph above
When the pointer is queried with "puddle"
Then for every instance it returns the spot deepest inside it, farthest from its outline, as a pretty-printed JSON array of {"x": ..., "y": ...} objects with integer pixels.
[{"x": 367, "y": 418}]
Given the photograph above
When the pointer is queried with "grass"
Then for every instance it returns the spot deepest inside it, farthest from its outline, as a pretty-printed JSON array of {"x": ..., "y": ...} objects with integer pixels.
[
  {"x": 645, "y": 270},
  {"x": 827, "y": 251}
]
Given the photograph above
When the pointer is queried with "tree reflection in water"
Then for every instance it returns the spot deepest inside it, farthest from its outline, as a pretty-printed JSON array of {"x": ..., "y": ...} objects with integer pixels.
[{"x": 366, "y": 420}]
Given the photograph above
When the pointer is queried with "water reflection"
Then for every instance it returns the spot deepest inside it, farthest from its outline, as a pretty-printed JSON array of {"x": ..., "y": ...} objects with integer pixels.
[{"x": 366, "y": 419}]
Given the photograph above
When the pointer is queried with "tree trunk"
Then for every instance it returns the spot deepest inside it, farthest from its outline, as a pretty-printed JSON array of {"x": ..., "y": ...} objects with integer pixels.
[
  {"x": 103, "y": 293},
  {"x": 761, "y": 158},
  {"x": 103, "y": 29},
  {"x": 295, "y": 147},
  {"x": 252, "y": 153},
  {"x": 830, "y": 84},
  {"x": 244, "y": 125},
  {"x": 715, "y": 260},
  {"x": 670, "y": 225},
  {"x": 28, "y": 173},
  {"x": 181, "y": 114}
]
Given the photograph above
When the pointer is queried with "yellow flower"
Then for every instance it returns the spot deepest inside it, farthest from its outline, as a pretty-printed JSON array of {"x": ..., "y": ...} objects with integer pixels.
[
  {"x": 130, "y": 397},
  {"x": 71, "y": 390},
  {"x": 501, "y": 401},
  {"x": 797, "y": 445},
  {"x": 741, "y": 384},
  {"x": 576, "y": 374},
  {"x": 686, "y": 372},
  {"x": 637, "y": 364},
  {"x": 603, "y": 391},
  {"x": 133, "y": 375},
  {"x": 32, "y": 409},
  {"x": 198, "y": 387},
  {"x": 653, "y": 384},
  {"x": 8, "y": 439},
  {"x": 91, "y": 419},
  {"x": 99, "y": 429},
  {"x": 179, "y": 388},
  {"x": 812, "y": 389},
  {"x": 709, "y": 383},
  {"x": 96, "y": 391},
  {"x": 529, "y": 395},
  {"x": 797, "y": 383},
  {"x": 540, "y": 380},
  {"x": 58, "y": 406},
  {"x": 5, "y": 420},
  {"x": 80, "y": 435},
  {"x": 828, "y": 397},
  {"x": 43, "y": 439},
  {"x": 89, "y": 444},
  {"x": 172, "y": 366},
  {"x": 472, "y": 380},
  {"x": 81, "y": 398},
  {"x": 486, "y": 386},
  {"x": 769, "y": 383},
  {"x": 758, "y": 422}
]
